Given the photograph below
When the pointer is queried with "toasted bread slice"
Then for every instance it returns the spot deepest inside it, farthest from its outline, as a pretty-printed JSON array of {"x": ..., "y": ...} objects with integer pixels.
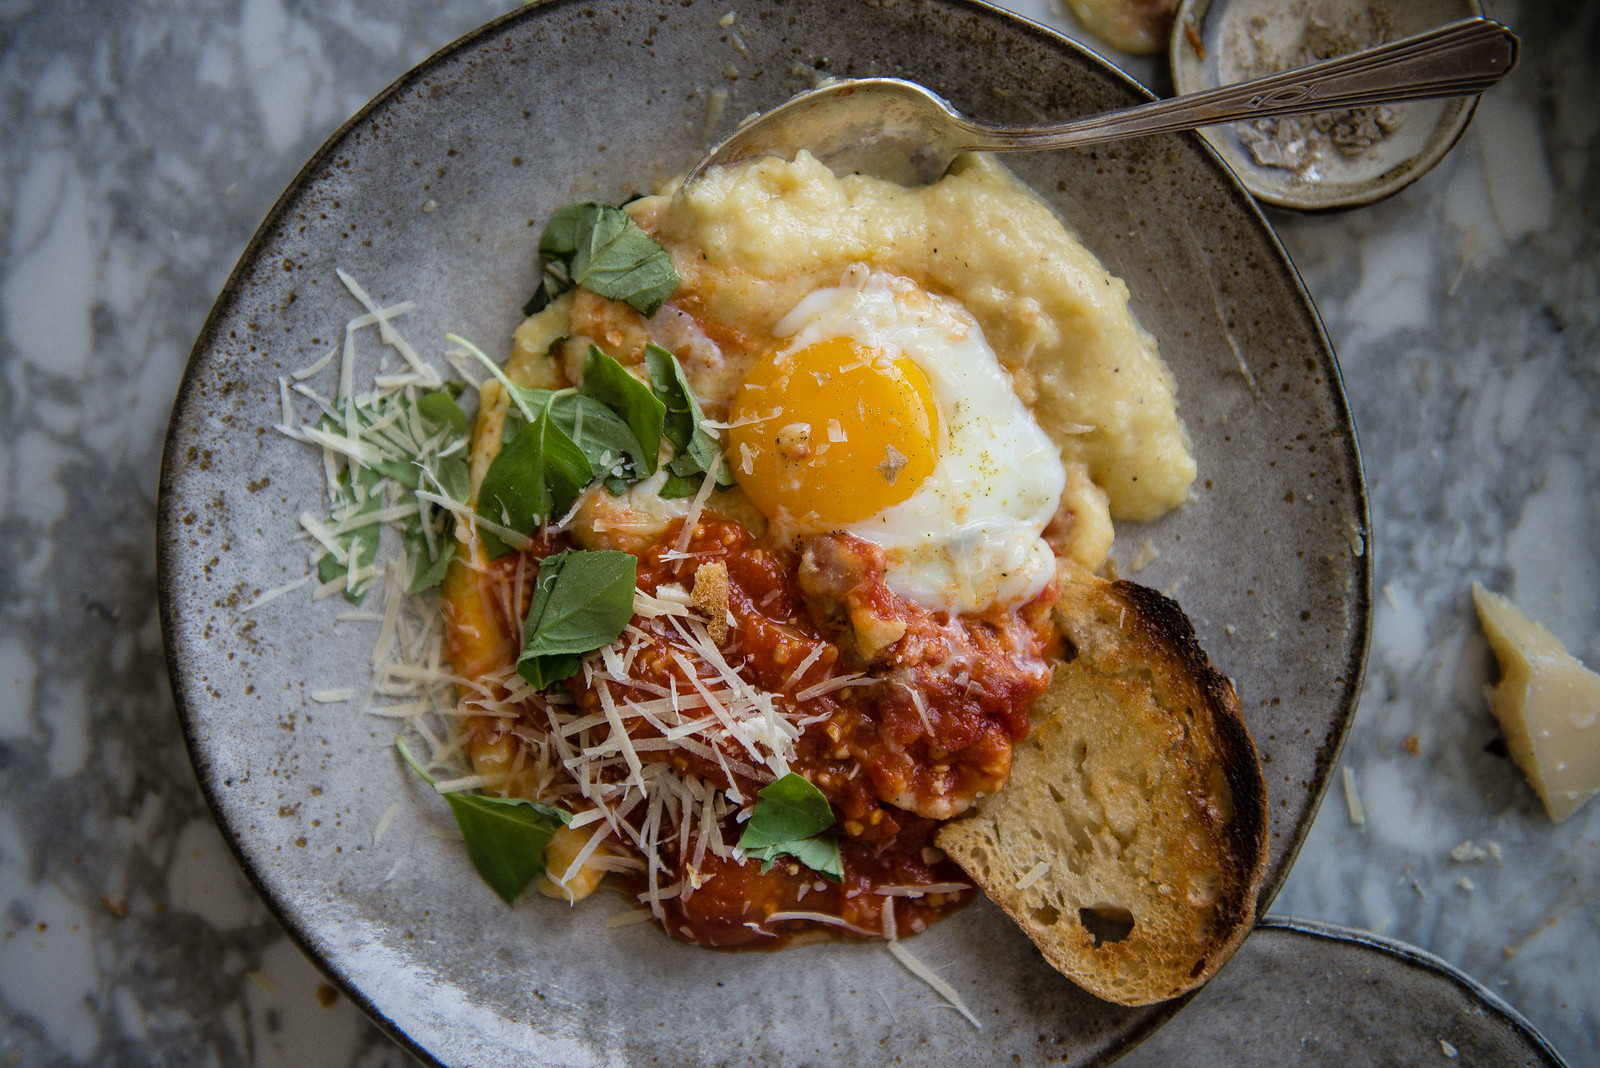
[{"x": 1131, "y": 839}]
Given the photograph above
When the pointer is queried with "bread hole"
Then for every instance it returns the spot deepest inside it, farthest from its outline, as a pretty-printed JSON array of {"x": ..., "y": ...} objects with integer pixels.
[
  {"x": 1069, "y": 650},
  {"x": 1106, "y": 923},
  {"x": 1056, "y": 795},
  {"x": 1044, "y": 915},
  {"x": 1199, "y": 966}
]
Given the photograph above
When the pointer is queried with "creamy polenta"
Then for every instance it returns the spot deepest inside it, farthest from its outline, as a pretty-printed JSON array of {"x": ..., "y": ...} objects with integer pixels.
[{"x": 751, "y": 241}]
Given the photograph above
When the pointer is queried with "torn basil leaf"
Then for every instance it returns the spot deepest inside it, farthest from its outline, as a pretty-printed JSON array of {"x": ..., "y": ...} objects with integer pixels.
[
  {"x": 696, "y": 451},
  {"x": 440, "y": 407},
  {"x": 505, "y": 836},
  {"x": 820, "y": 853},
  {"x": 676, "y": 486},
  {"x": 581, "y": 602},
  {"x": 537, "y": 472},
  {"x": 608, "y": 382},
  {"x": 551, "y": 286},
  {"x": 602, "y": 249},
  {"x": 601, "y": 434},
  {"x": 789, "y": 820}
]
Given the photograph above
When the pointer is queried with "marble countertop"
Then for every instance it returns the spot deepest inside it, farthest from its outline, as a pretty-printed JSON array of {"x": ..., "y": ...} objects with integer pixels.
[{"x": 144, "y": 143}]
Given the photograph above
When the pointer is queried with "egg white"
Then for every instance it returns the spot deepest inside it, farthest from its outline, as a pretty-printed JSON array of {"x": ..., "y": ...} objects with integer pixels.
[{"x": 970, "y": 536}]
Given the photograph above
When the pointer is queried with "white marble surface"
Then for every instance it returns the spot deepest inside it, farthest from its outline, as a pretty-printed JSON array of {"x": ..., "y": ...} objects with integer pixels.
[{"x": 145, "y": 140}]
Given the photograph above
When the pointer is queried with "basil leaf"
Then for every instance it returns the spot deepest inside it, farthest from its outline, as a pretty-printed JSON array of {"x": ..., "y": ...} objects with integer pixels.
[
  {"x": 608, "y": 382},
  {"x": 696, "y": 449},
  {"x": 581, "y": 602},
  {"x": 786, "y": 810},
  {"x": 441, "y": 408},
  {"x": 551, "y": 286},
  {"x": 357, "y": 496},
  {"x": 539, "y": 471},
  {"x": 505, "y": 839},
  {"x": 677, "y": 486},
  {"x": 453, "y": 479},
  {"x": 820, "y": 853},
  {"x": 566, "y": 229},
  {"x": 427, "y": 568},
  {"x": 505, "y": 836},
  {"x": 605, "y": 252},
  {"x": 454, "y": 476},
  {"x": 789, "y": 818},
  {"x": 330, "y": 569},
  {"x": 601, "y": 433}
]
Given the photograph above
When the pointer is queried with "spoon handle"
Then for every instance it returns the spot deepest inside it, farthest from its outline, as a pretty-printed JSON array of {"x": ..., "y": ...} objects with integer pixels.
[{"x": 1457, "y": 59}]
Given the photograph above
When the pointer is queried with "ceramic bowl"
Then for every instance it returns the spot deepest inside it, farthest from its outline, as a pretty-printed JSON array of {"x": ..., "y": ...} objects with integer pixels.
[
  {"x": 1218, "y": 42},
  {"x": 1304, "y": 992},
  {"x": 435, "y": 193}
]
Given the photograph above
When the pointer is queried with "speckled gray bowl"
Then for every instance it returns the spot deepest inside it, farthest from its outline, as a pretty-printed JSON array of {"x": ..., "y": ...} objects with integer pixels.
[
  {"x": 434, "y": 193},
  {"x": 1308, "y": 993}
]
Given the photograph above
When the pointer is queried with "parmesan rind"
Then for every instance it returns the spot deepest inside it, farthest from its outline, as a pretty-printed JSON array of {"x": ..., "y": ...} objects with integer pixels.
[{"x": 1547, "y": 703}]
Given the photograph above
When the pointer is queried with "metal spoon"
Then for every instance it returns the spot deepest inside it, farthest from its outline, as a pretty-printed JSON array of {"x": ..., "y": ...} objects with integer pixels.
[{"x": 898, "y": 130}]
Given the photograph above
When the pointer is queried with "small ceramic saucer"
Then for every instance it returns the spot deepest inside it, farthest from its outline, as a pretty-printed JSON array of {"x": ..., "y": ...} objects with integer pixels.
[{"x": 1328, "y": 160}]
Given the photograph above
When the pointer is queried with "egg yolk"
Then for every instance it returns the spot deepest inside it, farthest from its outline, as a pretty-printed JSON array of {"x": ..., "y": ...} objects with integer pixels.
[{"x": 833, "y": 433}]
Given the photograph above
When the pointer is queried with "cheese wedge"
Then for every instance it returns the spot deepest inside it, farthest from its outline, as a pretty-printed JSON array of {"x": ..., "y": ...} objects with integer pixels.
[{"x": 1547, "y": 703}]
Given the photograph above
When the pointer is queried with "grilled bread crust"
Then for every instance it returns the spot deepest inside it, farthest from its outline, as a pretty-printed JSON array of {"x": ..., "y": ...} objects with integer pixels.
[{"x": 1135, "y": 817}]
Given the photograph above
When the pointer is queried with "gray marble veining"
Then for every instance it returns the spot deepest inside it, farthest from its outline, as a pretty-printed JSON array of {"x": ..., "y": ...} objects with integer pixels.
[{"x": 146, "y": 140}]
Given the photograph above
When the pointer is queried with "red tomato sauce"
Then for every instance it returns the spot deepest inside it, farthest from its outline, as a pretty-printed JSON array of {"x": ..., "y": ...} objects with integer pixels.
[
  {"x": 870, "y": 744},
  {"x": 922, "y": 735}
]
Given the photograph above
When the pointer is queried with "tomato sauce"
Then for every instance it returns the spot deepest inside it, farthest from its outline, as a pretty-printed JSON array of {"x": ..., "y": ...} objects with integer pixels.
[{"x": 926, "y": 731}]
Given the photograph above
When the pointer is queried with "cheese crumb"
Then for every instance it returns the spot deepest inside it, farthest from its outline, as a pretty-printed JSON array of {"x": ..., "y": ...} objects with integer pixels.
[
  {"x": 1352, "y": 799},
  {"x": 1547, "y": 703}
]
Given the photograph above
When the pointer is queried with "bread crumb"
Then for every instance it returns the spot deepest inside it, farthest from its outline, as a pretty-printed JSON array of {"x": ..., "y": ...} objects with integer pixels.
[
  {"x": 1447, "y": 1049},
  {"x": 1468, "y": 851},
  {"x": 710, "y": 598},
  {"x": 1412, "y": 745},
  {"x": 1466, "y": 884}
]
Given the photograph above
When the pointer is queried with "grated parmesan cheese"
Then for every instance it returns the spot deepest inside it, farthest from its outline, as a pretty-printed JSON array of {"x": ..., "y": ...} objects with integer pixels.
[
  {"x": 1034, "y": 874},
  {"x": 898, "y": 950},
  {"x": 1352, "y": 799}
]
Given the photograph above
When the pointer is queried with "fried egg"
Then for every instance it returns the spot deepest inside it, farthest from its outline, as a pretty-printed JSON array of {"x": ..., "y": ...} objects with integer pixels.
[{"x": 885, "y": 414}]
